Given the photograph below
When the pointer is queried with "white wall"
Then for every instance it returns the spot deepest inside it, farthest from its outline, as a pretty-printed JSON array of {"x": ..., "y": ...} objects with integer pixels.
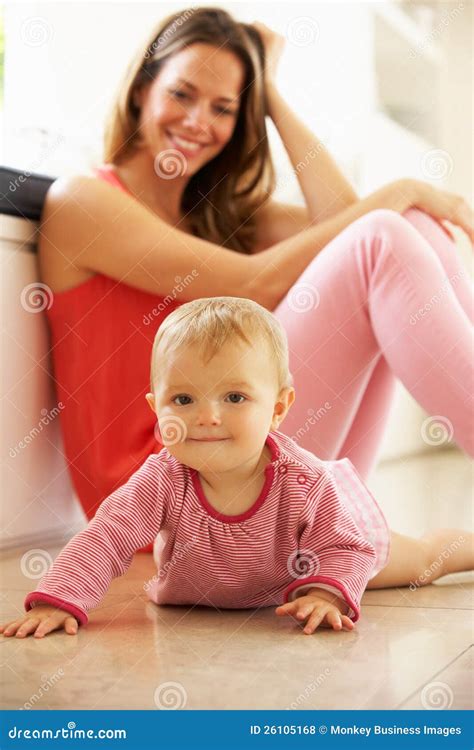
[
  {"x": 456, "y": 99},
  {"x": 38, "y": 502}
]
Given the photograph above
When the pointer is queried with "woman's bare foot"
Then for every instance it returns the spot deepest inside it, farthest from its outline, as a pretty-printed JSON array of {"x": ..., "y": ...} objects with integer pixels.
[{"x": 418, "y": 562}]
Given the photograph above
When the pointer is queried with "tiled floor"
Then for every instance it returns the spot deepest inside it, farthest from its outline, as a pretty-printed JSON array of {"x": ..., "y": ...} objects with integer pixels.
[{"x": 410, "y": 649}]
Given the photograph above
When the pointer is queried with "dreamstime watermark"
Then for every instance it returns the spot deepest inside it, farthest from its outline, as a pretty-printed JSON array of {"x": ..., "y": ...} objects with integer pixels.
[
  {"x": 168, "y": 32},
  {"x": 46, "y": 684},
  {"x": 36, "y": 297},
  {"x": 45, "y": 420},
  {"x": 311, "y": 153},
  {"x": 436, "y": 298},
  {"x": 309, "y": 689},
  {"x": 437, "y": 564},
  {"x": 64, "y": 733},
  {"x": 303, "y": 297},
  {"x": 437, "y": 164},
  {"x": 437, "y": 696},
  {"x": 436, "y": 32},
  {"x": 303, "y": 564},
  {"x": 170, "y": 696},
  {"x": 302, "y": 31},
  {"x": 437, "y": 430},
  {"x": 313, "y": 418},
  {"x": 170, "y": 163},
  {"x": 35, "y": 563},
  {"x": 170, "y": 430},
  {"x": 180, "y": 286},
  {"x": 178, "y": 554},
  {"x": 36, "y": 31}
]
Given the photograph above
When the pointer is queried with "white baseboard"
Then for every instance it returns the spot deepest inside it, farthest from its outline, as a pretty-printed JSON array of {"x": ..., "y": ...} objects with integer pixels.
[{"x": 21, "y": 542}]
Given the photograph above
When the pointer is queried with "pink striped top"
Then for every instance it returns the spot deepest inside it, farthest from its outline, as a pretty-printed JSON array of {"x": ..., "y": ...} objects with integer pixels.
[{"x": 314, "y": 523}]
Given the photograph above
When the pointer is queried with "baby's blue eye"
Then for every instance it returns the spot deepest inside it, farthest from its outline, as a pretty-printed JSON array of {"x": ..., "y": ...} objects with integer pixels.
[
  {"x": 184, "y": 396},
  {"x": 180, "y": 396},
  {"x": 239, "y": 395}
]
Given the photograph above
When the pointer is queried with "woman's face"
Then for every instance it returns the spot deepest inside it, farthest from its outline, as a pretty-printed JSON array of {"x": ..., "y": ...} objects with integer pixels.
[{"x": 192, "y": 105}]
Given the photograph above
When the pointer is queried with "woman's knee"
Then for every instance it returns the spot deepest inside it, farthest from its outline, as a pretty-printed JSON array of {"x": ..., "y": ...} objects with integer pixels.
[
  {"x": 398, "y": 235},
  {"x": 415, "y": 224},
  {"x": 387, "y": 219},
  {"x": 428, "y": 226}
]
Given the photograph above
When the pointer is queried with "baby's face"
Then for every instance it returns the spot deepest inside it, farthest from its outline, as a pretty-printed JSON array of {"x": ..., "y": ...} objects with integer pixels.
[{"x": 216, "y": 416}]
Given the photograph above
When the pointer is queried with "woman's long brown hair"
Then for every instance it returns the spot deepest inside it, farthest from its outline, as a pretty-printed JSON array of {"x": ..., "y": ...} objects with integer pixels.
[{"x": 241, "y": 177}]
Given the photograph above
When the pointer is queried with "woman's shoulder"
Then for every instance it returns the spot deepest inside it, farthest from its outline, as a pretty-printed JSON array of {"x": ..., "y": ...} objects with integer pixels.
[
  {"x": 72, "y": 209},
  {"x": 89, "y": 226},
  {"x": 73, "y": 199},
  {"x": 78, "y": 184}
]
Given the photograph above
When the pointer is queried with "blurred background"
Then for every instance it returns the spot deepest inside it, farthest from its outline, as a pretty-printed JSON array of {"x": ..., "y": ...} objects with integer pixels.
[
  {"x": 381, "y": 83},
  {"x": 387, "y": 86}
]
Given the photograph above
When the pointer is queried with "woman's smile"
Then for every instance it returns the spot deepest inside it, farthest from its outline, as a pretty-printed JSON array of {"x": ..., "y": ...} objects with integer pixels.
[{"x": 187, "y": 147}]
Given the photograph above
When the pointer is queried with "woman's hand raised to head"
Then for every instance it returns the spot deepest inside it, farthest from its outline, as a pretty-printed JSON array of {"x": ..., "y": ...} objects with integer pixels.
[
  {"x": 40, "y": 621},
  {"x": 273, "y": 45}
]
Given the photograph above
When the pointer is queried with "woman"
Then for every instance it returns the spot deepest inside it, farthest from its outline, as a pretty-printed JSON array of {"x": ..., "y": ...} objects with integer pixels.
[{"x": 182, "y": 209}]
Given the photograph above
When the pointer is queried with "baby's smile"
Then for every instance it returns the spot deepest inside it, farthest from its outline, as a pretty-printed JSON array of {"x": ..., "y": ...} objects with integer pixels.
[{"x": 208, "y": 440}]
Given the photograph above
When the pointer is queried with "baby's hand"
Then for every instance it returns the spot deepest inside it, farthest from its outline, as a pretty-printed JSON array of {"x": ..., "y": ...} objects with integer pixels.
[
  {"x": 41, "y": 620},
  {"x": 320, "y": 610}
]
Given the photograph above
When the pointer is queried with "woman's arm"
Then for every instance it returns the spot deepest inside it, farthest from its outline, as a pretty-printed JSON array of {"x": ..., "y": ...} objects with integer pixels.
[
  {"x": 326, "y": 190},
  {"x": 279, "y": 267},
  {"x": 335, "y": 205},
  {"x": 92, "y": 225},
  {"x": 99, "y": 228},
  {"x": 277, "y": 221}
]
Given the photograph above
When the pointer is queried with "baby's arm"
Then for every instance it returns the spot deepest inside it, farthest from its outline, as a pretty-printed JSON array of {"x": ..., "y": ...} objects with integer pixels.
[
  {"x": 130, "y": 518},
  {"x": 337, "y": 558}
]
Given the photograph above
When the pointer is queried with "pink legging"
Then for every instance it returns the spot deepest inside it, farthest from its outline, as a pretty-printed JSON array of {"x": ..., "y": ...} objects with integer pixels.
[{"x": 387, "y": 298}]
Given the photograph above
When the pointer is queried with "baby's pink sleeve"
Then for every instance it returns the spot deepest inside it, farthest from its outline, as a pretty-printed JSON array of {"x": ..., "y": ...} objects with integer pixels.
[
  {"x": 332, "y": 551},
  {"x": 130, "y": 518}
]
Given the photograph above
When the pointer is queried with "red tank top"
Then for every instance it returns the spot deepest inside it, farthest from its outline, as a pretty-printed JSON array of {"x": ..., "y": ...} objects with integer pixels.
[{"x": 102, "y": 334}]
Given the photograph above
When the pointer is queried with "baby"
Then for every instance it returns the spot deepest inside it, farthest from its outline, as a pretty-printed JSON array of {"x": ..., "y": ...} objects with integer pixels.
[{"x": 240, "y": 515}]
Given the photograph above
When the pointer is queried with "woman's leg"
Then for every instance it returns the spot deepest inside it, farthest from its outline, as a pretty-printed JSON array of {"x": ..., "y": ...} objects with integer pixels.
[
  {"x": 378, "y": 290},
  {"x": 418, "y": 562},
  {"x": 448, "y": 254},
  {"x": 365, "y": 435}
]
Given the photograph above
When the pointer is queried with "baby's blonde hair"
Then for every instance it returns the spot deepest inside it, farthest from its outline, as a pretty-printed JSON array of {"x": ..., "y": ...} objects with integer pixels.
[{"x": 212, "y": 322}]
